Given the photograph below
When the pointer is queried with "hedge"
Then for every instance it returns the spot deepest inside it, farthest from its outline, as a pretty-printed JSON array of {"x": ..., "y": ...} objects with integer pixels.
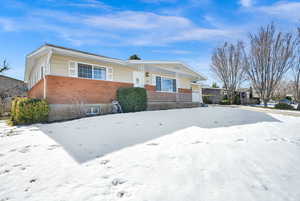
[
  {"x": 284, "y": 106},
  {"x": 206, "y": 100},
  {"x": 28, "y": 111},
  {"x": 237, "y": 99},
  {"x": 132, "y": 99},
  {"x": 225, "y": 102}
]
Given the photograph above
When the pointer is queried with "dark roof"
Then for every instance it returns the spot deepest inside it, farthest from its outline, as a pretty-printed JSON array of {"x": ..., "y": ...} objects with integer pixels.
[
  {"x": 71, "y": 49},
  {"x": 11, "y": 78}
]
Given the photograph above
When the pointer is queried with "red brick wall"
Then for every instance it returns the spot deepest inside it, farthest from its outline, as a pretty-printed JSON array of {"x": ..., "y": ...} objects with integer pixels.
[
  {"x": 183, "y": 95},
  {"x": 66, "y": 90},
  {"x": 154, "y": 96},
  {"x": 37, "y": 91},
  {"x": 150, "y": 87},
  {"x": 181, "y": 90}
]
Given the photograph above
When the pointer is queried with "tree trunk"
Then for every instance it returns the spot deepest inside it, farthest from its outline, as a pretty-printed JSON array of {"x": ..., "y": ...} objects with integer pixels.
[{"x": 265, "y": 103}]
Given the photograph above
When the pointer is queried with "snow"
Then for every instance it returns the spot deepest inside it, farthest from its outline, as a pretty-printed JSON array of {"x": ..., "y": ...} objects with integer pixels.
[
  {"x": 272, "y": 105},
  {"x": 213, "y": 153}
]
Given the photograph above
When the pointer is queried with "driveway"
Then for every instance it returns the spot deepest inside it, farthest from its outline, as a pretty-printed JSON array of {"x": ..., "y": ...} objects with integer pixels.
[{"x": 88, "y": 138}]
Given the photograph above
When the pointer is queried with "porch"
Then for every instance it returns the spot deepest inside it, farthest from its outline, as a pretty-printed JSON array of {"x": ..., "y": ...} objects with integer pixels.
[{"x": 165, "y": 100}]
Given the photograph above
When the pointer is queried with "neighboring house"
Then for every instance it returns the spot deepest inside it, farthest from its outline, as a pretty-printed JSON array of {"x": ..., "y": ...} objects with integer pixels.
[
  {"x": 75, "y": 82},
  {"x": 212, "y": 95},
  {"x": 215, "y": 95},
  {"x": 10, "y": 88},
  {"x": 245, "y": 95}
]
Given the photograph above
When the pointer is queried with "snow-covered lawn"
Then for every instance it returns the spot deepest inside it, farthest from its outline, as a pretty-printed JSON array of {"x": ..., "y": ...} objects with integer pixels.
[{"x": 213, "y": 153}]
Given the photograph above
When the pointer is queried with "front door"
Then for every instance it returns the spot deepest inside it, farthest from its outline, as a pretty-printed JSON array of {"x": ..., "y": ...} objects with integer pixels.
[{"x": 138, "y": 79}]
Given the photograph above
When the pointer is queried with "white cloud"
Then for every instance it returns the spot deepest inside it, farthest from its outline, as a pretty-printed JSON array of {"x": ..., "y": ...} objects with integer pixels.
[
  {"x": 284, "y": 10},
  {"x": 116, "y": 28},
  {"x": 7, "y": 24},
  {"x": 246, "y": 3},
  {"x": 202, "y": 34},
  {"x": 153, "y": 29},
  {"x": 172, "y": 51},
  {"x": 159, "y": 1},
  {"x": 90, "y": 4},
  {"x": 137, "y": 20},
  {"x": 79, "y": 3}
]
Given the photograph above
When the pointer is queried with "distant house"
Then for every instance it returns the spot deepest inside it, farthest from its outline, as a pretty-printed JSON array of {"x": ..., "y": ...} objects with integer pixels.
[
  {"x": 212, "y": 95},
  {"x": 69, "y": 78},
  {"x": 215, "y": 95},
  {"x": 9, "y": 88}
]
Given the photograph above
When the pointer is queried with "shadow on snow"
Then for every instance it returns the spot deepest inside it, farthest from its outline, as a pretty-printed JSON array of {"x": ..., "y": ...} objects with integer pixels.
[{"x": 88, "y": 138}]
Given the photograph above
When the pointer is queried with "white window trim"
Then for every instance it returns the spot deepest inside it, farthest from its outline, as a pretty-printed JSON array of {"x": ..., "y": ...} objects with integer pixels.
[
  {"x": 168, "y": 77},
  {"x": 93, "y": 65},
  {"x": 94, "y": 110},
  {"x": 93, "y": 76}
]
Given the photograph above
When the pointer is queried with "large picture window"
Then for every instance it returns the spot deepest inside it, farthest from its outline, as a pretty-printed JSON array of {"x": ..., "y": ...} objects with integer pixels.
[
  {"x": 99, "y": 73},
  {"x": 165, "y": 84},
  {"x": 92, "y": 72},
  {"x": 85, "y": 71}
]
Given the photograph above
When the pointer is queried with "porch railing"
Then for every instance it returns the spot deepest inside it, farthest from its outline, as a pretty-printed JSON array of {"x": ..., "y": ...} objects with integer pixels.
[{"x": 154, "y": 96}]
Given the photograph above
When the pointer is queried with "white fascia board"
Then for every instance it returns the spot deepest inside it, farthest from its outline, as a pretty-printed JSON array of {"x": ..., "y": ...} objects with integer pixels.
[
  {"x": 168, "y": 62},
  {"x": 38, "y": 51},
  {"x": 87, "y": 56},
  {"x": 29, "y": 60},
  {"x": 190, "y": 68},
  {"x": 197, "y": 84}
]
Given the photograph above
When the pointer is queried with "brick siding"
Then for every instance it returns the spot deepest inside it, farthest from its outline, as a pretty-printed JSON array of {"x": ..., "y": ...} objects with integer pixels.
[
  {"x": 37, "y": 91},
  {"x": 183, "y": 95},
  {"x": 69, "y": 90},
  {"x": 181, "y": 90},
  {"x": 63, "y": 90},
  {"x": 154, "y": 96},
  {"x": 150, "y": 87}
]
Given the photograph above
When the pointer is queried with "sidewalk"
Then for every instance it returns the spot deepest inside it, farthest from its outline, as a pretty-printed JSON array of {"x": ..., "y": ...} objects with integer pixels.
[{"x": 274, "y": 111}]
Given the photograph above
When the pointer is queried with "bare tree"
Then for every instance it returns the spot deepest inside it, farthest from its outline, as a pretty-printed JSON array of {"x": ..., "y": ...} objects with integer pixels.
[
  {"x": 4, "y": 66},
  {"x": 270, "y": 57},
  {"x": 227, "y": 65},
  {"x": 283, "y": 89},
  {"x": 296, "y": 72},
  {"x": 296, "y": 83}
]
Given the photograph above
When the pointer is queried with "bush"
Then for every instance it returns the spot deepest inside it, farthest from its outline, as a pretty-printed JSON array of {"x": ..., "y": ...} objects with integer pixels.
[
  {"x": 225, "y": 102},
  {"x": 284, "y": 106},
  {"x": 132, "y": 99},
  {"x": 28, "y": 111},
  {"x": 237, "y": 99},
  {"x": 289, "y": 98},
  {"x": 206, "y": 100}
]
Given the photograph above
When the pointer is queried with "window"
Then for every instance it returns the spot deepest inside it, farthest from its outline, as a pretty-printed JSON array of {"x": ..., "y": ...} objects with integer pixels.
[
  {"x": 92, "y": 72},
  {"x": 85, "y": 71},
  {"x": 93, "y": 110},
  {"x": 99, "y": 73},
  {"x": 165, "y": 84}
]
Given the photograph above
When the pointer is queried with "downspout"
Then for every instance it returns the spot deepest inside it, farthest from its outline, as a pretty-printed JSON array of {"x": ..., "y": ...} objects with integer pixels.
[
  {"x": 45, "y": 87},
  {"x": 47, "y": 71}
]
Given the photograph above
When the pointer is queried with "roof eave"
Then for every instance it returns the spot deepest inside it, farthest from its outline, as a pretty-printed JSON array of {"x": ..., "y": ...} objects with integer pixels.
[{"x": 201, "y": 77}]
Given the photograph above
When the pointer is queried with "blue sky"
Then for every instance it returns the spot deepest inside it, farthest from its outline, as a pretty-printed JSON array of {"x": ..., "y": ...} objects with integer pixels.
[{"x": 154, "y": 29}]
